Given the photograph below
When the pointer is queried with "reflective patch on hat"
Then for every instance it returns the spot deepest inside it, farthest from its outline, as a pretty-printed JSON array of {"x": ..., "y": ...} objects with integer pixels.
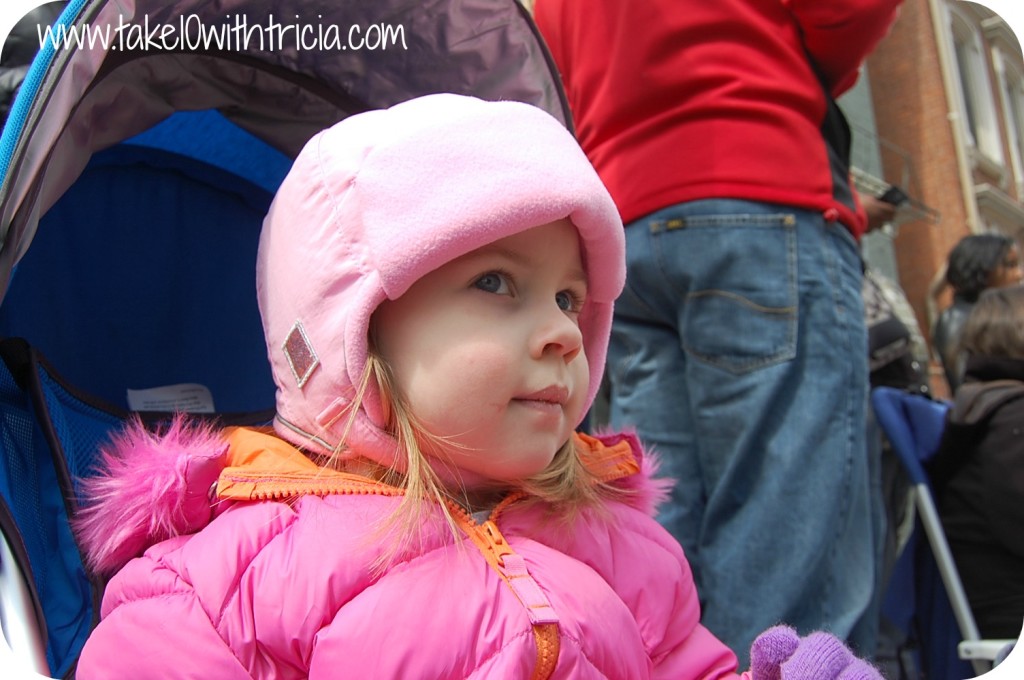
[{"x": 300, "y": 354}]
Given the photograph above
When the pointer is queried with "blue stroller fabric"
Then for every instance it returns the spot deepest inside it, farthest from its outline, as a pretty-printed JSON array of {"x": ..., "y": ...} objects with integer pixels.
[
  {"x": 134, "y": 184},
  {"x": 42, "y": 427},
  {"x": 181, "y": 288}
]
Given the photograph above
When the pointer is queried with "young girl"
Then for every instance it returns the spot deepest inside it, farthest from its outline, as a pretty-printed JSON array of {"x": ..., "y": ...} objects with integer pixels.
[{"x": 436, "y": 284}]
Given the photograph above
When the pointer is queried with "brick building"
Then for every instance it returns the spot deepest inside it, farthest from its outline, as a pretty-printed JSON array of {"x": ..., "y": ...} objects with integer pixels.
[{"x": 940, "y": 112}]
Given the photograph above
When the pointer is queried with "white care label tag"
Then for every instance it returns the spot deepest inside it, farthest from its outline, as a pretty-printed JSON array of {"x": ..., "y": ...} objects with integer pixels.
[{"x": 186, "y": 397}]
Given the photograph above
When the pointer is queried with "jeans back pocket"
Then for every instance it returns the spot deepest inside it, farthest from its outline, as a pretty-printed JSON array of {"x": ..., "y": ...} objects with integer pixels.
[{"x": 740, "y": 305}]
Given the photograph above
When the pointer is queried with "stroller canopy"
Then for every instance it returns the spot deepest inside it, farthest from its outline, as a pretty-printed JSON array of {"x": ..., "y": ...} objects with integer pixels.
[
  {"x": 280, "y": 70},
  {"x": 138, "y": 161}
]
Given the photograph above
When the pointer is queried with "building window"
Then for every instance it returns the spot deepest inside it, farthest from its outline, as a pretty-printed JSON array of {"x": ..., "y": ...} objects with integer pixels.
[
  {"x": 1013, "y": 98},
  {"x": 1008, "y": 64},
  {"x": 976, "y": 93}
]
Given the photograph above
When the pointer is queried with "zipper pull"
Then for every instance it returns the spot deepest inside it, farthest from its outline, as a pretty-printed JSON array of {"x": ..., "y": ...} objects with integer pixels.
[{"x": 495, "y": 542}]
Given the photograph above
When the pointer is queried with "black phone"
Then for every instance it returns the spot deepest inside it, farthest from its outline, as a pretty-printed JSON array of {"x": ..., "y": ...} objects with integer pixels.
[{"x": 894, "y": 195}]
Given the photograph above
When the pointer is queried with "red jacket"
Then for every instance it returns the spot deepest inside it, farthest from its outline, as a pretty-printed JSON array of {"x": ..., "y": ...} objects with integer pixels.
[{"x": 679, "y": 100}]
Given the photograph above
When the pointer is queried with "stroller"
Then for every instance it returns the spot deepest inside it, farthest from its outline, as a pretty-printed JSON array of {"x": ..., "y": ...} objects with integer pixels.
[{"x": 138, "y": 161}]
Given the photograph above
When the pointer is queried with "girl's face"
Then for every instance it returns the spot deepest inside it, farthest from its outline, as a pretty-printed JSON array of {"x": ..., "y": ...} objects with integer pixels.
[
  {"x": 487, "y": 351},
  {"x": 1008, "y": 273}
]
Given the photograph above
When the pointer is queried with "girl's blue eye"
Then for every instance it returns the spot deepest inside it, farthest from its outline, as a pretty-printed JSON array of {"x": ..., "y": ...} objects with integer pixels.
[
  {"x": 493, "y": 282},
  {"x": 568, "y": 301}
]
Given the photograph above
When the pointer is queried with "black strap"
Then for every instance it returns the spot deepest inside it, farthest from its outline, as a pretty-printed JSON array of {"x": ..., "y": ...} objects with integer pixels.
[{"x": 835, "y": 130}]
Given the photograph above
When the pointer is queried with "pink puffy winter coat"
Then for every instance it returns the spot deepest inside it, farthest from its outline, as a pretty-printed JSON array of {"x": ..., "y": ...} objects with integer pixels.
[{"x": 276, "y": 578}]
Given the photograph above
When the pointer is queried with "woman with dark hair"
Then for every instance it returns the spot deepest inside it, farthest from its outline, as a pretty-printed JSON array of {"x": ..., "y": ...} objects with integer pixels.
[
  {"x": 978, "y": 262},
  {"x": 978, "y": 472}
]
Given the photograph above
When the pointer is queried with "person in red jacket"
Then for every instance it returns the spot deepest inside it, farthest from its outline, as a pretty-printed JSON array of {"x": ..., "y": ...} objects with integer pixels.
[{"x": 738, "y": 347}]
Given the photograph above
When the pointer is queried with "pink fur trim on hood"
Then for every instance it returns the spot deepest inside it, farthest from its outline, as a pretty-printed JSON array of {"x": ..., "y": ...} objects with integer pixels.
[
  {"x": 150, "y": 487},
  {"x": 153, "y": 486}
]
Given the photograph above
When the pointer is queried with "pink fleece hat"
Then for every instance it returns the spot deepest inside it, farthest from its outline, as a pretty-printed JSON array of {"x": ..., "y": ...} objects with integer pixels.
[{"x": 384, "y": 197}]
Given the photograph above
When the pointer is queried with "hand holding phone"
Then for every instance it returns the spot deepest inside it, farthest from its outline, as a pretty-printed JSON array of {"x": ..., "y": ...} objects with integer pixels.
[{"x": 894, "y": 195}]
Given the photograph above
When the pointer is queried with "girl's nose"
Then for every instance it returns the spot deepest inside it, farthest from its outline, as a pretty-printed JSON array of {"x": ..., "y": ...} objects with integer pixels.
[{"x": 557, "y": 333}]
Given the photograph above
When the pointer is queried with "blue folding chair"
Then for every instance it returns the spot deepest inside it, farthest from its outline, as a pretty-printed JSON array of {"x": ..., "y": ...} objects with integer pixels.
[{"x": 940, "y": 617}]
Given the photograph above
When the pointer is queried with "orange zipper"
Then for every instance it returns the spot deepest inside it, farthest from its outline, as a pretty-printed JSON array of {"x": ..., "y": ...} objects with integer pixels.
[
  {"x": 486, "y": 537},
  {"x": 495, "y": 549}
]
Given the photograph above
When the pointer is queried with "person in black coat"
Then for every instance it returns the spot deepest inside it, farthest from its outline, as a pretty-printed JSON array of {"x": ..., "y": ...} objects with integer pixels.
[{"x": 978, "y": 472}]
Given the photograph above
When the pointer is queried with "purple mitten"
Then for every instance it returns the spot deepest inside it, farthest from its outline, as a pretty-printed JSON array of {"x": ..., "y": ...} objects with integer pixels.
[
  {"x": 769, "y": 650},
  {"x": 780, "y": 654}
]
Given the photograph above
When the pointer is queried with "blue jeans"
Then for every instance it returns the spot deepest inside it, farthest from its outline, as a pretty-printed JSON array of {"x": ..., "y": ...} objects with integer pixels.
[{"x": 739, "y": 354}]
